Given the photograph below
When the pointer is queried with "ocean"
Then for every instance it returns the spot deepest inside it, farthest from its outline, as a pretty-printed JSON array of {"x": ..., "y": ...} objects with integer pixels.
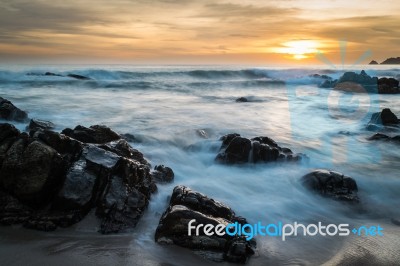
[{"x": 177, "y": 115}]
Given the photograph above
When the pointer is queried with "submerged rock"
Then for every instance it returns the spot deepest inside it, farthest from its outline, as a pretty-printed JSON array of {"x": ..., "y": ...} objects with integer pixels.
[
  {"x": 186, "y": 205},
  {"x": 241, "y": 100},
  {"x": 9, "y": 111},
  {"x": 49, "y": 179},
  {"x": 75, "y": 76},
  {"x": 380, "y": 136},
  {"x": 331, "y": 184},
  {"x": 236, "y": 150}
]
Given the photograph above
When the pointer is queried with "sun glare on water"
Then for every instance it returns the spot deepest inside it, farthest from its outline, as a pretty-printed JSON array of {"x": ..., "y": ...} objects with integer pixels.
[{"x": 298, "y": 50}]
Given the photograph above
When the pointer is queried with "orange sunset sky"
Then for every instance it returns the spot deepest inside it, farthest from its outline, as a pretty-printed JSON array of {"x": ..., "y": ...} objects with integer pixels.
[{"x": 196, "y": 31}]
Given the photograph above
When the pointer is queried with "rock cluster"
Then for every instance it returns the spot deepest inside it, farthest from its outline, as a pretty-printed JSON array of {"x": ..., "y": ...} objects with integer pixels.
[
  {"x": 236, "y": 150},
  {"x": 186, "y": 205},
  {"x": 49, "y": 179},
  {"x": 331, "y": 184}
]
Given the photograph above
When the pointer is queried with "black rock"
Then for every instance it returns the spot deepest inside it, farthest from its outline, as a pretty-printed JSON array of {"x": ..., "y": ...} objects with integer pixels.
[
  {"x": 186, "y": 205},
  {"x": 236, "y": 150},
  {"x": 98, "y": 134},
  {"x": 351, "y": 81},
  {"x": 122, "y": 148},
  {"x": 163, "y": 174},
  {"x": 75, "y": 76},
  {"x": 31, "y": 170},
  {"x": 241, "y": 100},
  {"x": 35, "y": 124},
  {"x": 391, "y": 61},
  {"x": 388, "y": 86},
  {"x": 9, "y": 111},
  {"x": 48, "y": 180},
  {"x": 383, "y": 137},
  {"x": 331, "y": 184},
  {"x": 52, "y": 74},
  {"x": 385, "y": 117}
]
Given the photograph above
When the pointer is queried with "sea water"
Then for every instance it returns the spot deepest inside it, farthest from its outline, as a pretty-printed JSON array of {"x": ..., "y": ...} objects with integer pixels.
[{"x": 166, "y": 108}]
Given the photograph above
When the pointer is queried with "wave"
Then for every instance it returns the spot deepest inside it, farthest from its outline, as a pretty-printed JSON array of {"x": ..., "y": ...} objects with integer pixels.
[{"x": 174, "y": 78}]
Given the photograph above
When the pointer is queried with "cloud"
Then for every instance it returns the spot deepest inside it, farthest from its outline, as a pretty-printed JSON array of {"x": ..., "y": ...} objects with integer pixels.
[{"x": 168, "y": 28}]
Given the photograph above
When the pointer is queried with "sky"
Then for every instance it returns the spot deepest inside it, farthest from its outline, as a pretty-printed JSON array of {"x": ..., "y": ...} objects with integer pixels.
[{"x": 198, "y": 31}]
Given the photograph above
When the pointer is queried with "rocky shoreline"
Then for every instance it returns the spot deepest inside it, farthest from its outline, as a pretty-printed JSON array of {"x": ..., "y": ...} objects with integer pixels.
[
  {"x": 52, "y": 179},
  {"x": 360, "y": 83}
]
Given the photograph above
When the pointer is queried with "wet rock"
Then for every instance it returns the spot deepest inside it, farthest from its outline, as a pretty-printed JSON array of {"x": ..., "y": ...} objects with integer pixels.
[
  {"x": 75, "y": 76},
  {"x": 236, "y": 150},
  {"x": 79, "y": 190},
  {"x": 52, "y": 74},
  {"x": 186, "y": 205},
  {"x": 9, "y": 111},
  {"x": 36, "y": 124},
  {"x": 331, "y": 184},
  {"x": 383, "y": 137},
  {"x": 351, "y": 81},
  {"x": 31, "y": 170},
  {"x": 94, "y": 134},
  {"x": 396, "y": 221},
  {"x": 385, "y": 117},
  {"x": 125, "y": 197},
  {"x": 388, "y": 86},
  {"x": 12, "y": 211},
  {"x": 61, "y": 179},
  {"x": 241, "y": 100},
  {"x": 122, "y": 148},
  {"x": 163, "y": 174}
]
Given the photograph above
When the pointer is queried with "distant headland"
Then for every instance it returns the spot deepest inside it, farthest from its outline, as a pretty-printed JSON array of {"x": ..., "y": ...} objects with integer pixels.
[{"x": 389, "y": 61}]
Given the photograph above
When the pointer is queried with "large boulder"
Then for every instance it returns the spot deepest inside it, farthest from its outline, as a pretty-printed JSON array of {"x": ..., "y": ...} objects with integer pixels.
[
  {"x": 385, "y": 117},
  {"x": 31, "y": 170},
  {"x": 237, "y": 150},
  {"x": 388, "y": 86},
  {"x": 98, "y": 134},
  {"x": 50, "y": 180},
  {"x": 9, "y": 111},
  {"x": 187, "y": 205},
  {"x": 36, "y": 124},
  {"x": 331, "y": 184}
]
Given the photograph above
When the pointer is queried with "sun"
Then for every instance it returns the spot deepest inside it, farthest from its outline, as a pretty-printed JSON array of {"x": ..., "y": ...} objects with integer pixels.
[{"x": 299, "y": 49}]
